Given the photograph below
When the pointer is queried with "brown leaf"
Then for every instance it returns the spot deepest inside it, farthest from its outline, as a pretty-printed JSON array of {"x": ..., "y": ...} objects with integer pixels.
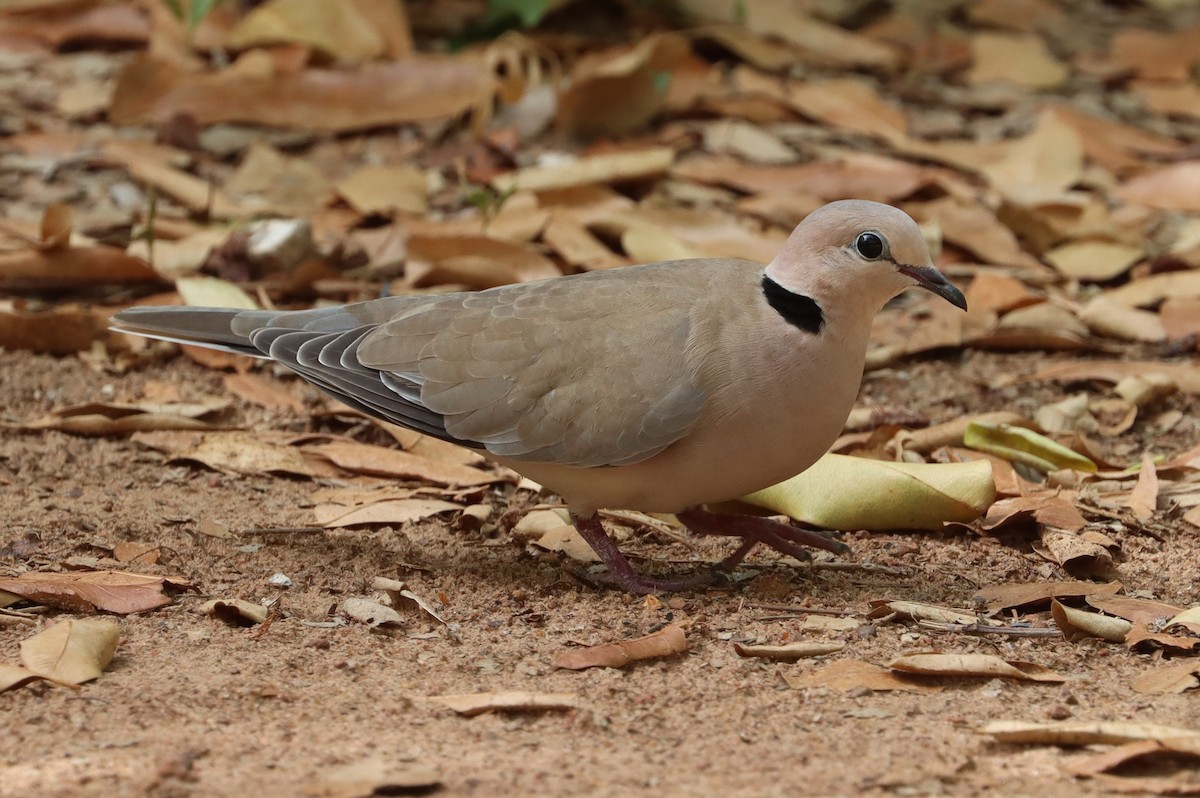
[
  {"x": 337, "y": 29},
  {"x": 1140, "y": 611},
  {"x": 235, "y": 612},
  {"x": 1050, "y": 508},
  {"x": 1093, "y": 260},
  {"x": 1034, "y": 595},
  {"x": 1115, "y": 146},
  {"x": 381, "y": 461},
  {"x": 112, "y": 591},
  {"x": 72, "y": 651},
  {"x": 385, "y": 190},
  {"x": 128, "y": 551},
  {"x": 257, "y": 390},
  {"x": 472, "y": 704},
  {"x": 15, "y": 676},
  {"x": 982, "y": 665},
  {"x": 790, "y": 652},
  {"x": 372, "y": 613},
  {"x": 476, "y": 261},
  {"x": 850, "y": 104},
  {"x": 1143, "y": 500},
  {"x": 848, "y": 674},
  {"x": 64, "y": 23},
  {"x": 1184, "y": 375},
  {"x": 71, "y": 267},
  {"x": 609, "y": 167},
  {"x": 115, "y": 418},
  {"x": 1082, "y": 732},
  {"x": 1170, "y": 188},
  {"x": 667, "y": 642},
  {"x": 379, "y": 774},
  {"x": 972, "y": 226},
  {"x": 243, "y": 453},
  {"x": 59, "y": 330},
  {"x": 1174, "y": 749},
  {"x": 1022, "y": 59},
  {"x": 1076, "y": 624},
  {"x": 394, "y": 512},
  {"x": 1178, "y": 677},
  {"x": 417, "y": 89}
]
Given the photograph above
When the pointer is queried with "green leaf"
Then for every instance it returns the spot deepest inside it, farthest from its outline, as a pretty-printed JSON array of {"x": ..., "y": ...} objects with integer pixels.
[{"x": 1021, "y": 445}]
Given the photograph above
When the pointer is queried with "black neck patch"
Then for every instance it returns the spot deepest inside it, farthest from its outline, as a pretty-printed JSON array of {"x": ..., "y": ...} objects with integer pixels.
[{"x": 797, "y": 310}]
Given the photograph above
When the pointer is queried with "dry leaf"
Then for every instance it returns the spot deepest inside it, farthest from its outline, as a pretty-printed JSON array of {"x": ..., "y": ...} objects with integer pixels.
[
  {"x": 1079, "y": 733},
  {"x": 393, "y": 512},
  {"x": 257, "y": 390},
  {"x": 70, "y": 267},
  {"x": 235, "y": 612},
  {"x": 919, "y": 612},
  {"x": 1171, "y": 188},
  {"x": 1076, "y": 624},
  {"x": 1107, "y": 318},
  {"x": 849, "y": 104},
  {"x": 371, "y": 613},
  {"x": 471, "y": 704},
  {"x": 400, "y": 596},
  {"x": 1178, "y": 677},
  {"x": 1143, "y": 499},
  {"x": 60, "y": 330},
  {"x": 1048, "y": 508},
  {"x": 128, "y": 551},
  {"x": 337, "y": 29},
  {"x": 71, "y": 651},
  {"x": 791, "y": 652},
  {"x": 1184, "y": 375},
  {"x": 886, "y": 495},
  {"x": 385, "y": 190},
  {"x": 417, "y": 89},
  {"x": 847, "y": 674},
  {"x": 667, "y": 642},
  {"x": 243, "y": 453},
  {"x": 1093, "y": 260},
  {"x": 747, "y": 141},
  {"x": 12, "y": 676},
  {"x": 1022, "y": 59},
  {"x": 111, "y": 591},
  {"x": 1037, "y": 595},
  {"x": 982, "y": 665},
  {"x": 475, "y": 261},
  {"x": 381, "y": 461},
  {"x": 610, "y": 167}
]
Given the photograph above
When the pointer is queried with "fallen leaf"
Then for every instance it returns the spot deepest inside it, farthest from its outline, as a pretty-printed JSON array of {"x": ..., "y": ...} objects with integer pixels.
[
  {"x": 213, "y": 292},
  {"x": 1093, "y": 260},
  {"x": 59, "y": 330},
  {"x": 128, "y": 551},
  {"x": 1020, "y": 58},
  {"x": 1077, "y": 624},
  {"x": 887, "y": 495},
  {"x": 393, "y": 512},
  {"x": 1143, "y": 499},
  {"x": 1079, "y": 733},
  {"x": 849, "y": 104},
  {"x": 381, "y": 461},
  {"x": 72, "y": 651},
  {"x": 1048, "y": 508},
  {"x": 981, "y": 665},
  {"x": 1032, "y": 596},
  {"x": 847, "y": 674},
  {"x": 337, "y": 29},
  {"x": 114, "y": 418},
  {"x": 1023, "y": 445},
  {"x": 1170, "y": 188},
  {"x": 243, "y": 453},
  {"x": 476, "y": 261},
  {"x": 472, "y": 704},
  {"x": 12, "y": 676},
  {"x": 1107, "y": 318},
  {"x": 72, "y": 267},
  {"x": 1184, "y": 375},
  {"x": 257, "y": 390},
  {"x": 667, "y": 642},
  {"x": 385, "y": 190},
  {"x": 609, "y": 167},
  {"x": 235, "y": 612},
  {"x": 112, "y": 591},
  {"x": 1178, "y": 677},
  {"x": 918, "y": 611},
  {"x": 372, "y": 613},
  {"x": 747, "y": 141},
  {"x": 401, "y": 596},
  {"x": 417, "y": 89},
  {"x": 790, "y": 652}
]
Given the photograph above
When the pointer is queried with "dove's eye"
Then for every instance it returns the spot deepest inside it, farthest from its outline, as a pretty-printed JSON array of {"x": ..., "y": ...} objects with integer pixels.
[{"x": 870, "y": 246}]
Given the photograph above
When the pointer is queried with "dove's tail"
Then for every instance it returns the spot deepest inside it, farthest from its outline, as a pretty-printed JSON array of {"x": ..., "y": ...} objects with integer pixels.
[{"x": 211, "y": 328}]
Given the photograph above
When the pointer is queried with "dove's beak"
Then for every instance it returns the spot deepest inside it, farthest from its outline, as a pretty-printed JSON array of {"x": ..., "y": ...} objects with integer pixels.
[{"x": 935, "y": 281}]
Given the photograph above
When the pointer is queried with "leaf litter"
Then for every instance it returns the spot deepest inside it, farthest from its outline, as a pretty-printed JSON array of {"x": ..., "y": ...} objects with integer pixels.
[{"x": 1065, "y": 204}]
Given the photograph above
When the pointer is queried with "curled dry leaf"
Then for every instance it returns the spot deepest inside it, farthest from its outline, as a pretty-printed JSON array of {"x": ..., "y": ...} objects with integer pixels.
[
  {"x": 950, "y": 433},
  {"x": 1037, "y": 595},
  {"x": 71, "y": 651},
  {"x": 401, "y": 596},
  {"x": 381, "y": 461},
  {"x": 1086, "y": 554},
  {"x": 982, "y": 665},
  {"x": 115, "y": 418},
  {"x": 1178, "y": 677},
  {"x": 235, "y": 612},
  {"x": 1079, "y": 733},
  {"x": 371, "y": 613},
  {"x": 15, "y": 676},
  {"x": 1143, "y": 499},
  {"x": 72, "y": 267},
  {"x": 790, "y": 652},
  {"x": 890, "y": 495},
  {"x": 1184, "y": 375},
  {"x": 471, "y": 704},
  {"x": 1076, "y": 624},
  {"x": 1049, "y": 508},
  {"x": 112, "y": 591},
  {"x": 920, "y": 612},
  {"x": 243, "y": 453},
  {"x": 1023, "y": 445},
  {"x": 666, "y": 642}
]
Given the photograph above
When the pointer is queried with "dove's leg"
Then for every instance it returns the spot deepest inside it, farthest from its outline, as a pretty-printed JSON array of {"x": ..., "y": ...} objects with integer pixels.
[
  {"x": 784, "y": 538},
  {"x": 621, "y": 574}
]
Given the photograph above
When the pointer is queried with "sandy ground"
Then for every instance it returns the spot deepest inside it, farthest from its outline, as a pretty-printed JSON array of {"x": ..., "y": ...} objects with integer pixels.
[{"x": 192, "y": 706}]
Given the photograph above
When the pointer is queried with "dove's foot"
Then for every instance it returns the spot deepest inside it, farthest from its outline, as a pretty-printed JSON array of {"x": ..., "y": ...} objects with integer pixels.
[
  {"x": 621, "y": 574},
  {"x": 784, "y": 538}
]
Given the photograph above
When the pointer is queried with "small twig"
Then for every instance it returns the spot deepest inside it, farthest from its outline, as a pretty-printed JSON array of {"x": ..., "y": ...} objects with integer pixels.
[
  {"x": 653, "y": 524},
  {"x": 16, "y": 620},
  {"x": 840, "y": 565},
  {"x": 286, "y": 530},
  {"x": 982, "y": 630}
]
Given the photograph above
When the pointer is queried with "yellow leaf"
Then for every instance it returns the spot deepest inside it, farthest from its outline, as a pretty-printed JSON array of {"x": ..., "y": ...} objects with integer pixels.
[
  {"x": 71, "y": 652},
  {"x": 213, "y": 292},
  {"x": 1023, "y": 445},
  {"x": 885, "y": 495}
]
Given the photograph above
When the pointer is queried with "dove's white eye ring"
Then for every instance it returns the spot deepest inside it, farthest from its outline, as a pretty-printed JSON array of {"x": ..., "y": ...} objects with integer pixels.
[{"x": 870, "y": 245}]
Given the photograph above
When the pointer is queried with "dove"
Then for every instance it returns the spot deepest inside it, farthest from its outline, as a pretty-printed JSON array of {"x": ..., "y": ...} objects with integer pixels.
[{"x": 659, "y": 388}]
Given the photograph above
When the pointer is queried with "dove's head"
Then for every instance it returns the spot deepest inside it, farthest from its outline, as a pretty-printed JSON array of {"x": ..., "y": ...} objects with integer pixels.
[{"x": 855, "y": 248}]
